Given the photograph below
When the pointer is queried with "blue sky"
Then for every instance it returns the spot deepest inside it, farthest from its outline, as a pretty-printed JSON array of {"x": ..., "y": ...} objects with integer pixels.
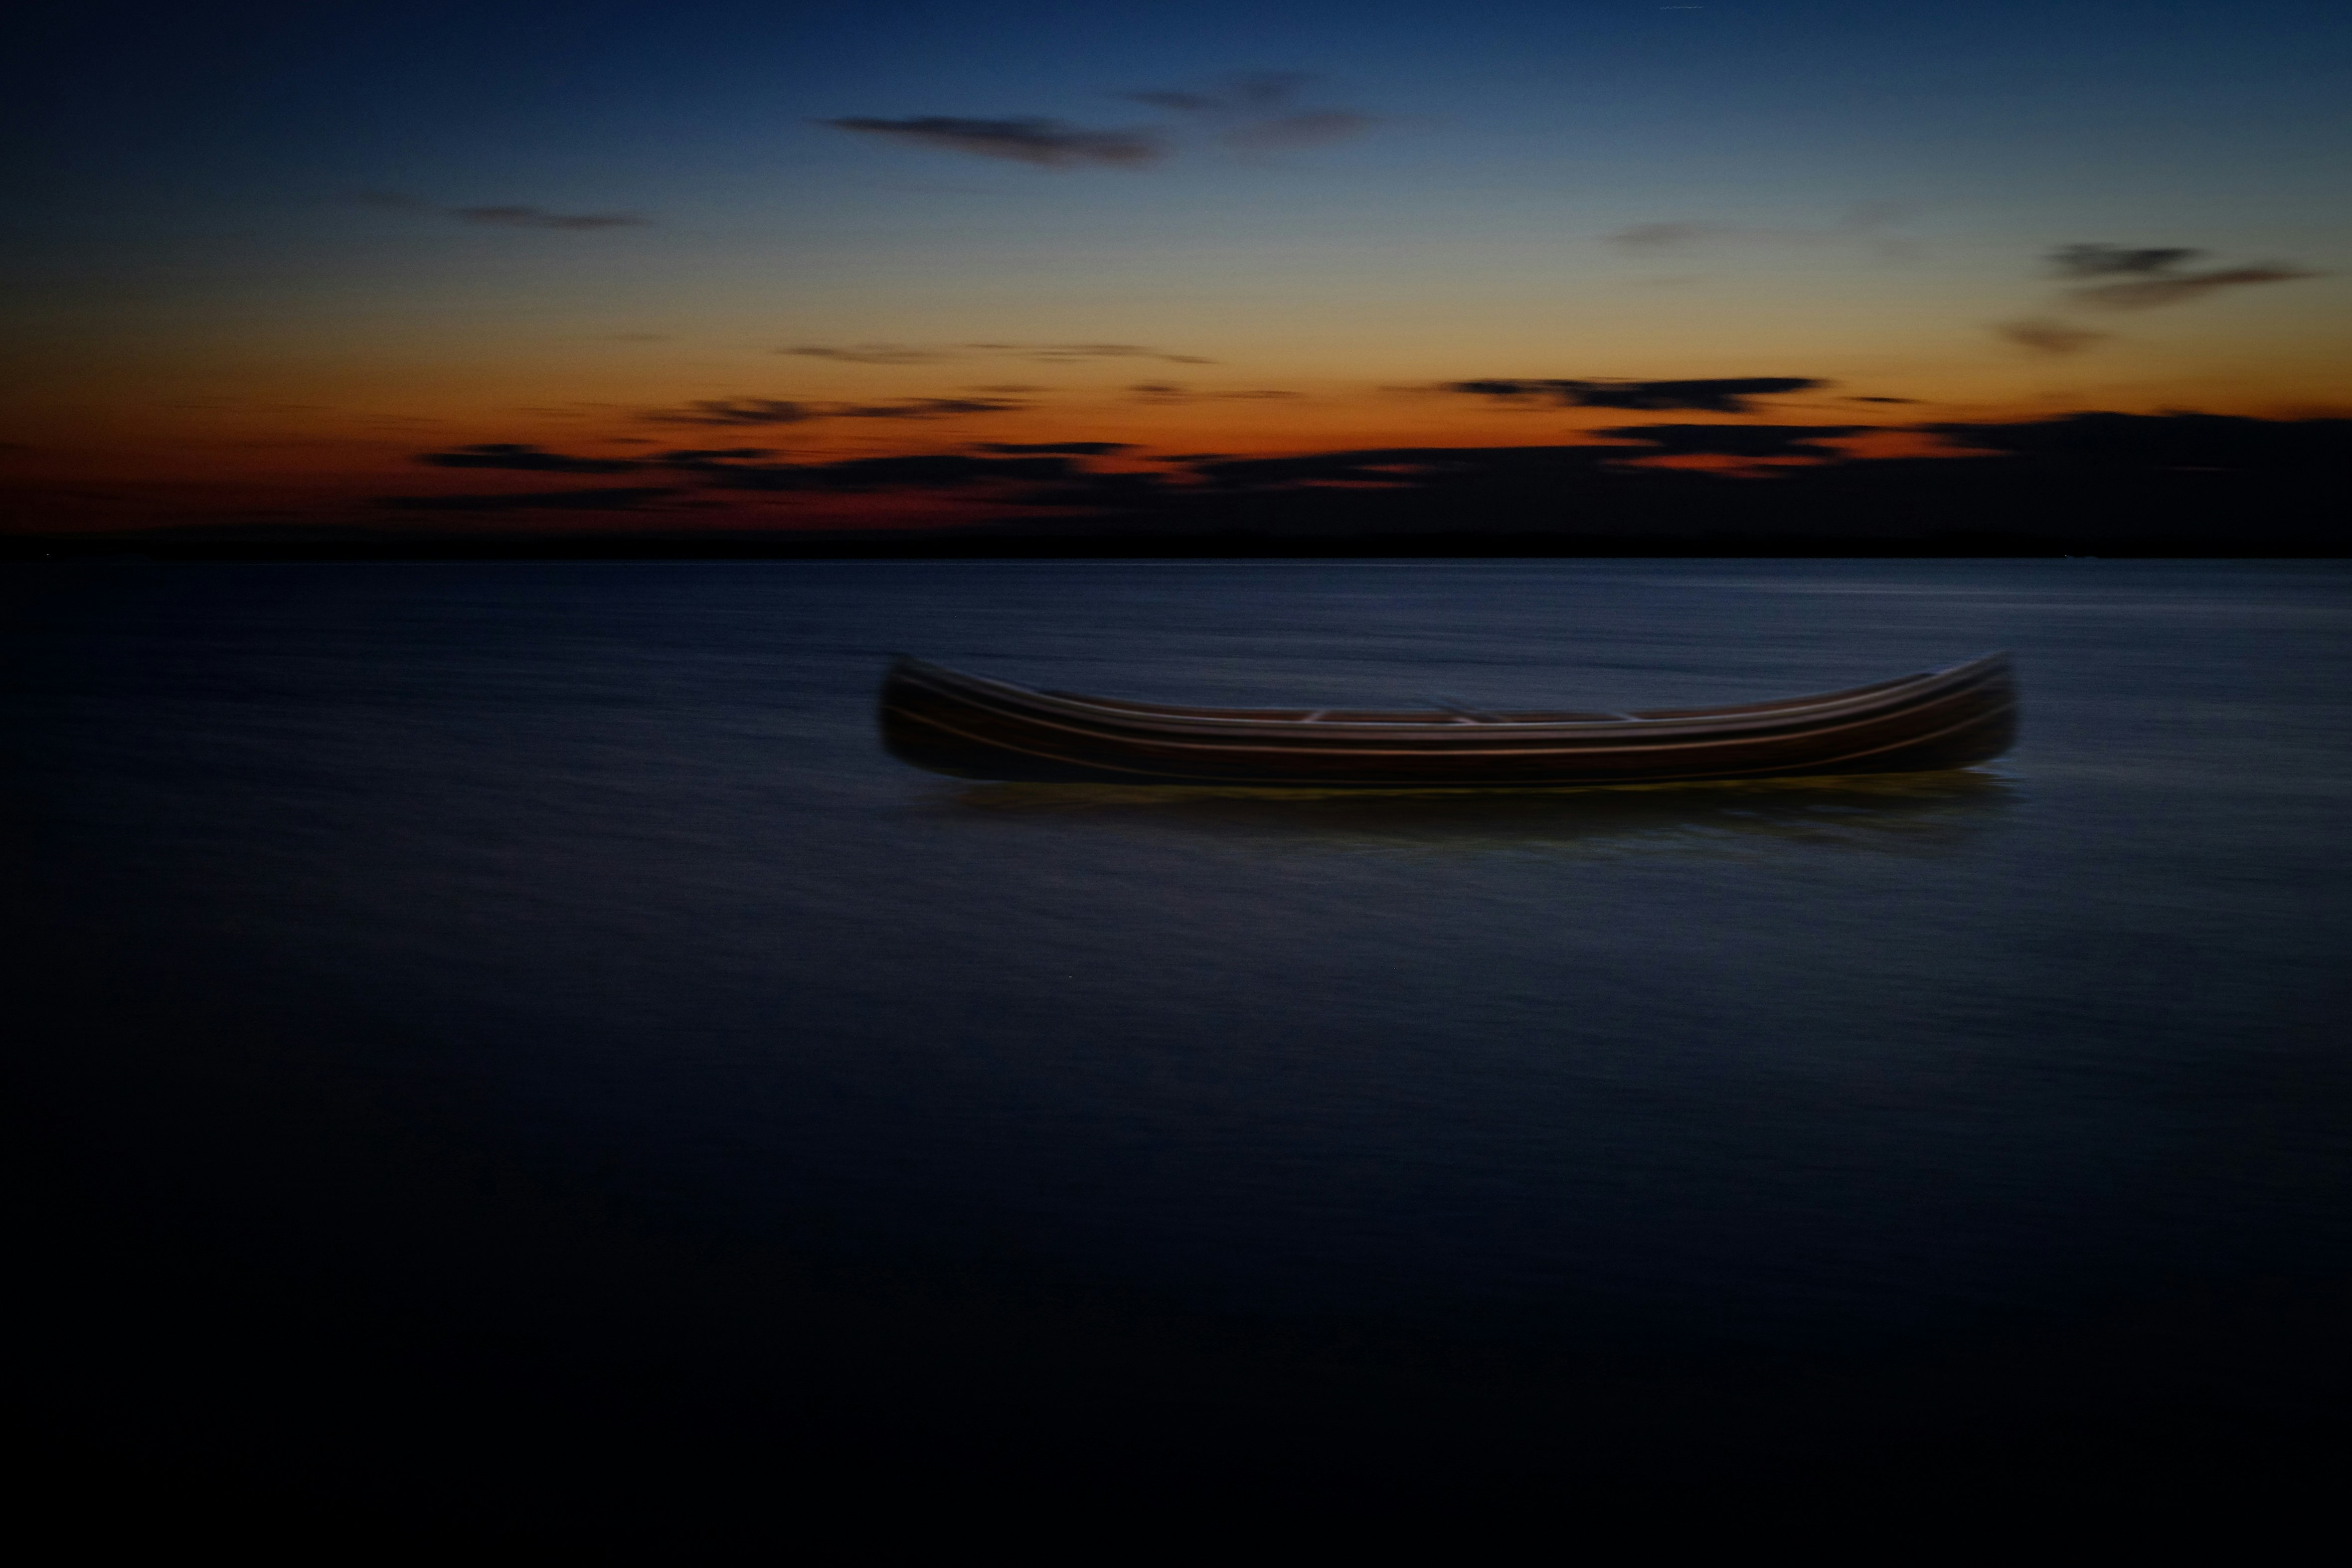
[{"x": 285, "y": 205}]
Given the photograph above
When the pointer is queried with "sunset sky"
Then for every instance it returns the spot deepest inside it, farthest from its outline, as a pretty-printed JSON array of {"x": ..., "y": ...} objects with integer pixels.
[{"x": 268, "y": 262}]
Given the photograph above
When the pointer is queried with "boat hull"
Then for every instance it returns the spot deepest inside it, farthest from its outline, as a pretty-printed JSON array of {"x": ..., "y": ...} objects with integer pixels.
[{"x": 969, "y": 727}]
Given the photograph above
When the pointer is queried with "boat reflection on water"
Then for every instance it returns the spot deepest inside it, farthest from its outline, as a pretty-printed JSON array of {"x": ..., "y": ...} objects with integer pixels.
[{"x": 1879, "y": 811}]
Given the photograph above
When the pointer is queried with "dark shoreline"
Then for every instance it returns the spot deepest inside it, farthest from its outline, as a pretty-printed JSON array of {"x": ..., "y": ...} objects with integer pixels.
[
  {"x": 2170, "y": 487},
  {"x": 1222, "y": 546}
]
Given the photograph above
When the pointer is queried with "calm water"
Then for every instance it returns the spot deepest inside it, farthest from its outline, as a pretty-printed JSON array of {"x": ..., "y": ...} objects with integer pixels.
[{"x": 369, "y": 898}]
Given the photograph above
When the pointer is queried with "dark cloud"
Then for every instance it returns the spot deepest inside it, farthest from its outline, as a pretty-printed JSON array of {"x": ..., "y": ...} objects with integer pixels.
[
  {"x": 1722, "y": 395},
  {"x": 1041, "y": 353},
  {"x": 609, "y": 500},
  {"x": 2150, "y": 276},
  {"x": 2047, "y": 337},
  {"x": 738, "y": 467},
  {"x": 748, "y": 410},
  {"x": 708, "y": 460},
  {"x": 738, "y": 411},
  {"x": 1430, "y": 467},
  {"x": 2104, "y": 473},
  {"x": 519, "y": 217},
  {"x": 1259, "y": 112},
  {"x": 1181, "y": 102},
  {"x": 1882, "y": 400},
  {"x": 934, "y": 471},
  {"x": 2111, "y": 260},
  {"x": 1066, "y": 448},
  {"x": 922, "y": 408},
  {"x": 535, "y": 218},
  {"x": 1060, "y": 353},
  {"x": 2170, "y": 442},
  {"x": 1739, "y": 440},
  {"x": 921, "y": 471},
  {"x": 509, "y": 455},
  {"x": 1173, "y": 392},
  {"x": 1053, "y": 474},
  {"x": 1865, "y": 224},
  {"x": 872, "y": 354},
  {"x": 2148, "y": 294},
  {"x": 1047, "y": 143},
  {"x": 1251, "y": 92}
]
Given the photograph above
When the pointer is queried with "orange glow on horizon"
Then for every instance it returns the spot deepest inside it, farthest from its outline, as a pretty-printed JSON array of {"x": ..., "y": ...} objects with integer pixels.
[{"x": 275, "y": 456}]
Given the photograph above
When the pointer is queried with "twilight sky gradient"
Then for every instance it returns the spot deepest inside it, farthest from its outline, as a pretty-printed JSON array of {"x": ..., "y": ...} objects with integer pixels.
[{"x": 267, "y": 257}]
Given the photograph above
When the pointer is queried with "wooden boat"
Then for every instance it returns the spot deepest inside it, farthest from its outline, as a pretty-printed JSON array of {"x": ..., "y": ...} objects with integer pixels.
[{"x": 973, "y": 728}]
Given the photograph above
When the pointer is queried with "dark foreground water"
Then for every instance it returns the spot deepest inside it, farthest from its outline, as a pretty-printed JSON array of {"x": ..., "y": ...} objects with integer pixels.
[{"x": 504, "y": 1044}]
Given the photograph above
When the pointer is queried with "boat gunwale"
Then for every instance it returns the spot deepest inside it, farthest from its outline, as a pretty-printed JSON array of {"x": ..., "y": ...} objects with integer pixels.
[
  {"x": 1653, "y": 742},
  {"x": 1158, "y": 724}
]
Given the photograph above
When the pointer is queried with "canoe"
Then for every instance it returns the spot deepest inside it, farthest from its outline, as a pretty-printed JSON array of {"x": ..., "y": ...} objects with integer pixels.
[{"x": 973, "y": 728}]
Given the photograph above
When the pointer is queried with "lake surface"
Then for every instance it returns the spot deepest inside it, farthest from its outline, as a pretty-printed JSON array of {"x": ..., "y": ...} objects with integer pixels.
[{"x": 526, "y": 993}]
